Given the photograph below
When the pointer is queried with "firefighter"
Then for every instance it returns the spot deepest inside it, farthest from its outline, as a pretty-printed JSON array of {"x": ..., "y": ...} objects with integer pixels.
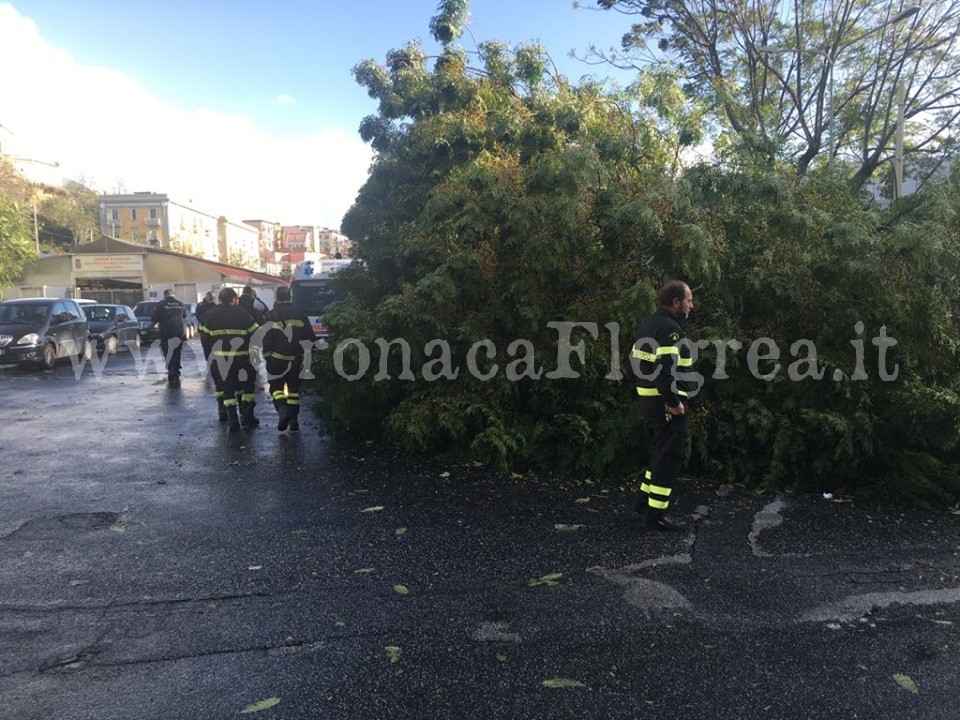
[
  {"x": 229, "y": 328},
  {"x": 206, "y": 343},
  {"x": 659, "y": 360},
  {"x": 284, "y": 347},
  {"x": 170, "y": 315}
]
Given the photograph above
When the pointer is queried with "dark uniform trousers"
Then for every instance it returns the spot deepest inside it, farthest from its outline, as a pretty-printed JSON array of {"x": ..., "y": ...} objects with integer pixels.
[
  {"x": 668, "y": 435},
  {"x": 171, "y": 348},
  {"x": 238, "y": 379},
  {"x": 284, "y": 372}
]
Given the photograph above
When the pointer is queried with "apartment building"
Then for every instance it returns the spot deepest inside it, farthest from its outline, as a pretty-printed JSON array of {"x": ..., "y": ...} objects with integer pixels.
[
  {"x": 331, "y": 243},
  {"x": 239, "y": 243},
  {"x": 154, "y": 220},
  {"x": 269, "y": 233}
]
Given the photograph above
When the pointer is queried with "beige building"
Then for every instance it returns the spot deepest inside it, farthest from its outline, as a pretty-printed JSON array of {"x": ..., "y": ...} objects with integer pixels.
[
  {"x": 239, "y": 244},
  {"x": 154, "y": 220},
  {"x": 330, "y": 242},
  {"x": 119, "y": 271},
  {"x": 269, "y": 233}
]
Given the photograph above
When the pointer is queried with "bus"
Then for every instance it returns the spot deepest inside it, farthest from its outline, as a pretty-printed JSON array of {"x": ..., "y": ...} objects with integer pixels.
[{"x": 311, "y": 292}]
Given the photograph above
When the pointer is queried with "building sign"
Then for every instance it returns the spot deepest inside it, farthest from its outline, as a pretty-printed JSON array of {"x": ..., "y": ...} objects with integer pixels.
[{"x": 107, "y": 263}]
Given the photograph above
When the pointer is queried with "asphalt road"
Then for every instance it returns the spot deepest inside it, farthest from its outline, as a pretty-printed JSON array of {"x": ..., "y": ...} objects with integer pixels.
[{"x": 151, "y": 566}]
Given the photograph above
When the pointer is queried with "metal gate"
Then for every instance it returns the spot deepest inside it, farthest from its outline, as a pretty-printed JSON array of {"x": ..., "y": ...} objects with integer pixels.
[{"x": 115, "y": 297}]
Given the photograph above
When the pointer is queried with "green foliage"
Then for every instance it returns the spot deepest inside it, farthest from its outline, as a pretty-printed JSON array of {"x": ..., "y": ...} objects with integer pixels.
[
  {"x": 504, "y": 199},
  {"x": 16, "y": 244}
]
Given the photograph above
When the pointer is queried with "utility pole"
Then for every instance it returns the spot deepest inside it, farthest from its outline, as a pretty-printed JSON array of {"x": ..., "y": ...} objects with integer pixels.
[
  {"x": 36, "y": 229},
  {"x": 898, "y": 142}
]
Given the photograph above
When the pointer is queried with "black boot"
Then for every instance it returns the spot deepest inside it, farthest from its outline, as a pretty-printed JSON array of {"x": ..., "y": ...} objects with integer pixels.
[
  {"x": 221, "y": 410},
  {"x": 652, "y": 519},
  {"x": 233, "y": 420},
  {"x": 294, "y": 411},
  {"x": 283, "y": 414},
  {"x": 247, "y": 418}
]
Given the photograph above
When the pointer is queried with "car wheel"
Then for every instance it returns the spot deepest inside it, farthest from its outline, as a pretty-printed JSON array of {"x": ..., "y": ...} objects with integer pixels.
[
  {"x": 110, "y": 346},
  {"x": 87, "y": 352},
  {"x": 48, "y": 357}
]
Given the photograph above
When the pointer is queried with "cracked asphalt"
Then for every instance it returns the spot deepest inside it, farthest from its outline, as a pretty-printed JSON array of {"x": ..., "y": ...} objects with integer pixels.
[{"x": 151, "y": 566}]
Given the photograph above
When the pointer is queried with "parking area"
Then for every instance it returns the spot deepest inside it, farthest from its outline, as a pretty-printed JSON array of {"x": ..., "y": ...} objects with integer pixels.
[{"x": 153, "y": 566}]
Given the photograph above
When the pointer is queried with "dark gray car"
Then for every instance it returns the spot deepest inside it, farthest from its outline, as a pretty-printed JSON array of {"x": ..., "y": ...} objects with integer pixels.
[
  {"x": 42, "y": 330},
  {"x": 112, "y": 327}
]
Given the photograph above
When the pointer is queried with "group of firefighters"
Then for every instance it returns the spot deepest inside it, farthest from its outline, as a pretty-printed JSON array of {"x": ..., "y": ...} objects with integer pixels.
[
  {"x": 226, "y": 332},
  {"x": 659, "y": 359}
]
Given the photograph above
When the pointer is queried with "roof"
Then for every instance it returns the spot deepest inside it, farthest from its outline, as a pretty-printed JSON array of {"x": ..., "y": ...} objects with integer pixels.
[
  {"x": 107, "y": 244},
  {"x": 235, "y": 273}
]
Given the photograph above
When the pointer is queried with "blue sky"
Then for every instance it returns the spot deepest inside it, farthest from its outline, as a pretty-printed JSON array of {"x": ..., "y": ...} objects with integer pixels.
[{"x": 277, "y": 70}]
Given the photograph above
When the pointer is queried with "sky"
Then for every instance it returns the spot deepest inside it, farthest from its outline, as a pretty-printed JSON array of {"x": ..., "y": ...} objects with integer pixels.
[{"x": 246, "y": 109}]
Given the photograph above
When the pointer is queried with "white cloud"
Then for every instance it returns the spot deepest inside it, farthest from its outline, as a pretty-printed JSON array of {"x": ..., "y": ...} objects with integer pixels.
[
  {"x": 105, "y": 126},
  {"x": 286, "y": 100}
]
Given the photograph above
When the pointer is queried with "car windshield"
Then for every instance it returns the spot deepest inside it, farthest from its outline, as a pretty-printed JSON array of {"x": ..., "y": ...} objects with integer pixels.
[
  {"x": 144, "y": 308},
  {"x": 99, "y": 312},
  {"x": 313, "y": 296},
  {"x": 23, "y": 313}
]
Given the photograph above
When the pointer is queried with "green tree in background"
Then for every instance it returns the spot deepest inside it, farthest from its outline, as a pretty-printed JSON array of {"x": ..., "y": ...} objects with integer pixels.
[
  {"x": 16, "y": 242},
  {"x": 503, "y": 198},
  {"x": 766, "y": 69}
]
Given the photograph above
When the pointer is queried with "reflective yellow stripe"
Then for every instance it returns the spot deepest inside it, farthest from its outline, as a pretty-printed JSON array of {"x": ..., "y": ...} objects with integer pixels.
[
  {"x": 278, "y": 395},
  {"x": 218, "y": 394},
  {"x": 247, "y": 397},
  {"x": 643, "y": 355},
  {"x": 661, "y": 490},
  {"x": 668, "y": 350},
  {"x": 278, "y": 356},
  {"x": 658, "y": 504},
  {"x": 229, "y": 402},
  {"x": 293, "y": 401},
  {"x": 291, "y": 323},
  {"x": 647, "y": 475},
  {"x": 231, "y": 353},
  {"x": 685, "y": 362},
  {"x": 644, "y": 487},
  {"x": 651, "y": 392},
  {"x": 232, "y": 331}
]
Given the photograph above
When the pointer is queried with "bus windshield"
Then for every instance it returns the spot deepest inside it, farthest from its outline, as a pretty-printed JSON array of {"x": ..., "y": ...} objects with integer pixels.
[{"x": 313, "y": 296}]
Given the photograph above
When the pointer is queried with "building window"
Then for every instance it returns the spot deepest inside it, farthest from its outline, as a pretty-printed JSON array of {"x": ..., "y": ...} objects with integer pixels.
[
  {"x": 153, "y": 213},
  {"x": 115, "y": 215},
  {"x": 133, "y": 213}
]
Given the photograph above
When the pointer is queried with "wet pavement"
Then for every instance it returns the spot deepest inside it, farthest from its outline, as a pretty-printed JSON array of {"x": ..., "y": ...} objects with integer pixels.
[{"x": 153, "y": 566}]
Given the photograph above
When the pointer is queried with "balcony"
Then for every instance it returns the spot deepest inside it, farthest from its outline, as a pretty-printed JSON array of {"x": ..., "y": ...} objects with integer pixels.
[{"x": 152, "y": 222}]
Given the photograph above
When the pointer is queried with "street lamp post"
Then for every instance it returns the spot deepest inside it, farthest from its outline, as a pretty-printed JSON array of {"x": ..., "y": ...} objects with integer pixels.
[{"x": 831, "y": 59}]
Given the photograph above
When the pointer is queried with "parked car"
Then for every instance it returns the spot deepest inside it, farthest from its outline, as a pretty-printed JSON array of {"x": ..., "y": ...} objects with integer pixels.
[
  {"x": 112, "y": 327},
  {"x": 42, "y": 330},
  {"x": 149, "y": 330}
]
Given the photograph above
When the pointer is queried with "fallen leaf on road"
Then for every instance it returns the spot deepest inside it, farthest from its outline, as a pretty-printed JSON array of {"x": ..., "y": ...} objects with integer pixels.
[
  {"x": 77, "y": 583},
  {"x": 567, "y": 528},
  {"x": 582, "y": 500},
  {"x": 393, "y": 652},
  {"x": 261, "y": 705},
  {"x": 255, "y": 567},
  {"x": 562, "y": 683},
  {"x": 365, "y": 571},
  {"x": 401, "y": 590},
  {"x": 907, "y": 683},
  {"x": 374, "y": 508},
  {"x": 400, "y": 531},
  {"x": 551, "y": 579},
  {"x": 445, "y": 474}
]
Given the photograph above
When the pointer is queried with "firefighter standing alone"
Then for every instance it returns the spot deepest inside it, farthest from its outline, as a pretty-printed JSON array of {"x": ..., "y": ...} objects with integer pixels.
[
  {"x": 283, "y": 350},
  {"x": 170, "y": 317},
  {"x": 659, "y": 360}
]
